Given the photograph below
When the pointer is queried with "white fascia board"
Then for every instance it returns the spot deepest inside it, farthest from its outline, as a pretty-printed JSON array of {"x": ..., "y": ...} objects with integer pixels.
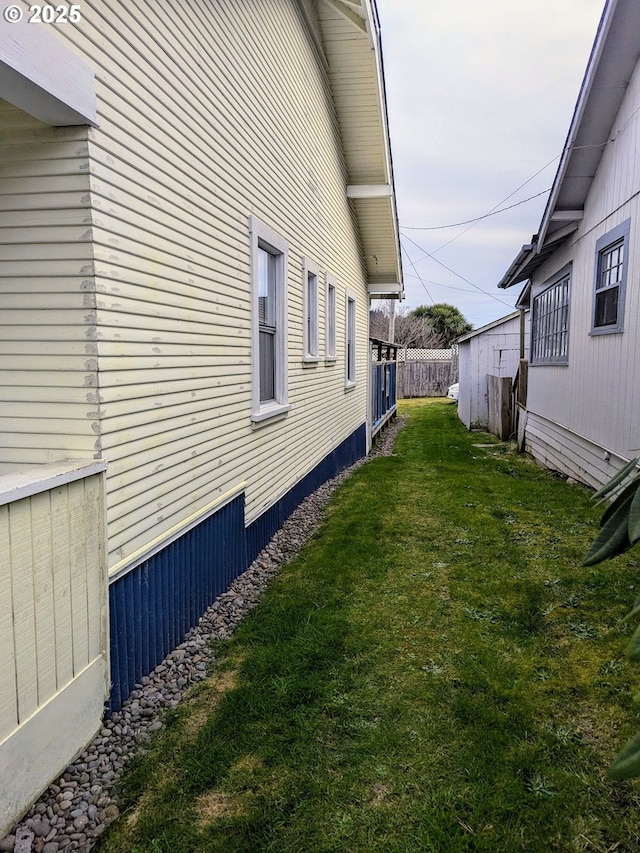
[
  {"x": 383, "y": 290},
  {"x": 42, "y": 77},
  {"x": 567, "y": 215},
  {"x": 369, "y": 191}
]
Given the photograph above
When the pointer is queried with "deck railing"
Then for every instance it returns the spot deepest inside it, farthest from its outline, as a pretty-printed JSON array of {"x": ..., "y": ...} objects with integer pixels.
[{"x": 383, "y": 384}]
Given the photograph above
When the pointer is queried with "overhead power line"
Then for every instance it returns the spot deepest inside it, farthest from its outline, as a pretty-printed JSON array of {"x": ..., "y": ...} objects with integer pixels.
[
  {"x": 457, "y": 274},
  {"x": 476, "y": 219},
  {"x": 415, "y": 269}
]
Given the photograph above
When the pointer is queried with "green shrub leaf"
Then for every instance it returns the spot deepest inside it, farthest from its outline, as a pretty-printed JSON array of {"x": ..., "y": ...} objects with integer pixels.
[
  {"x": 628, "y": 492},
  {"x": 619, "y": 477},
  {"x": 634, "y": 518},
  {"x": 627, "y": 762},
  {"x": 634, "y": 646},
  {"x": 613, "y": 538}
]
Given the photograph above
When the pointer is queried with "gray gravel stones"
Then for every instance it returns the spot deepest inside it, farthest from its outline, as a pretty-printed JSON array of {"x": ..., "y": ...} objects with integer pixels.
[{"x": 78, "y": 806}]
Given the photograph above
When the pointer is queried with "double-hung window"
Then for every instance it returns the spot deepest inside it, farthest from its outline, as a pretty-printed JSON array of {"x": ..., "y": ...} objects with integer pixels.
[
  {"x": 269, "y": 332},
  {"x": 550, "y": 323},
  {"x": 310, "y": 275},
  {"x": 350, "y": 342},
  {"x": 612, "y": 251},
  {"x": 330, "y": 317}
]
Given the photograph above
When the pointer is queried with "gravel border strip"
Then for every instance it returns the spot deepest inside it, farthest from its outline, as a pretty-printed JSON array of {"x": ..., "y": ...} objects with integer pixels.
[{"x": 75, "y": 811}]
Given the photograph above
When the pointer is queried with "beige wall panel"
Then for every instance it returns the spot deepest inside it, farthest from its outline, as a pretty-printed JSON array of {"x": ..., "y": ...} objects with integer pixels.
[
  {"x": 78, "y": 555},
  {"x": 46, "y": 326},
  {"x": 8, "y": 695},
  {"x": 185, "y": 152},
  {"x": 43, "y": 596},
  {"x": 21, "y": 560}
]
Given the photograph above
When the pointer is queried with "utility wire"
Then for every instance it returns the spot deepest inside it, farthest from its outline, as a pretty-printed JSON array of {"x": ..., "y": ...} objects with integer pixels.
[
  {"x": 440, "y": 284},
  {"x": 457, "y": 274},
  {"x": 418, "y": 276},
  {"x": 492, "y": 212}
]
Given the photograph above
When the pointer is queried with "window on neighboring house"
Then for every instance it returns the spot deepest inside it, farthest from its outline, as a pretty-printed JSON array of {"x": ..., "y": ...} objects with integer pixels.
[
  {"x": 310, "y": 273},
  {"x": 269, "y": 363},
  {"x": 351, "y": 341},
  {"x": 550, "y": 329},
  {"x": 330, "y": 320},
  {"x": 610, "y": 280}
]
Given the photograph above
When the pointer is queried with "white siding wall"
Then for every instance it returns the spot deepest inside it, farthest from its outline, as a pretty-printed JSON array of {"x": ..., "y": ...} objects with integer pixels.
[
  {"x": 200, "y": 125},
  {"x": 495, "y": 352},
  {"x": 53, "y": 635},
  {"x": 47, "y": 323},
  {"x": 597, "y": 397}
]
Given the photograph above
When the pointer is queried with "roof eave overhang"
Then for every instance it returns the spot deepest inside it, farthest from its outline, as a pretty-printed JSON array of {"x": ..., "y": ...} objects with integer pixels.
[
  {"x": 351, "y": 36},
  {"x": 611, "y": 63},
  {"x": 531, "y": 255}
]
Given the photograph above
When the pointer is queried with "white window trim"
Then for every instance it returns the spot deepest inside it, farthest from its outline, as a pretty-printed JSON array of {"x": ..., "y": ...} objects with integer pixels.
[
  {"x": 261, "y": 235},
  {"x": 330, "y": 354},
  {"x": 618, "y": 234},
  {"x": 310, "y": 345},
  {"x": 349, "y": 382}
]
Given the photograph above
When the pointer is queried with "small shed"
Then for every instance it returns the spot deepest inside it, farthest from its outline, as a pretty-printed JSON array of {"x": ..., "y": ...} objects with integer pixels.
[{"x": 485, "y": 355}]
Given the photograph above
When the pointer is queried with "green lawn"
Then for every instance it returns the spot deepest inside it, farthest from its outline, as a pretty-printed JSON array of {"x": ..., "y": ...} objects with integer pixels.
[{"x": 434, "y": 672}]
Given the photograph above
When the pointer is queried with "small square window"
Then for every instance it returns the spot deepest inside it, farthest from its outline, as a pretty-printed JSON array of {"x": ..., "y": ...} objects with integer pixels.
[{"x": 610, "y": 280}]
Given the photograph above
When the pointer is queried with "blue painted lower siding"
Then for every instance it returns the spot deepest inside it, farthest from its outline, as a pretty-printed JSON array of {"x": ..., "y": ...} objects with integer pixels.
[
  {"x": 262, "y": 529},
  {"x": 153, "y": 606}
]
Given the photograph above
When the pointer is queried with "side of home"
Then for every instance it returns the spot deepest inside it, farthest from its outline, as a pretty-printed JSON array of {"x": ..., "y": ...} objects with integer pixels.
[
  {"x": 190, "y": 256},
  {"x": 583, "y": 401}
]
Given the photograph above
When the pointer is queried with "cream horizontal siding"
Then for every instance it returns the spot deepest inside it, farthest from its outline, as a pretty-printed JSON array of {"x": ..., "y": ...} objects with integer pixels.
[
  {"x": 597, "y": 394},
  {"x": 201, "y": 126},
  {"x": 47, "y": 335}
]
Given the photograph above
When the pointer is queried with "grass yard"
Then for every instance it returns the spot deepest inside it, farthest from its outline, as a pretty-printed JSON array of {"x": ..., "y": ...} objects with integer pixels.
[{"x": 434, "y": 672}]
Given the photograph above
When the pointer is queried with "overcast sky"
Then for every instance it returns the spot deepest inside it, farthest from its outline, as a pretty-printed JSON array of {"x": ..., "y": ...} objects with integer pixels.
[{"x": 480, "y": 95}]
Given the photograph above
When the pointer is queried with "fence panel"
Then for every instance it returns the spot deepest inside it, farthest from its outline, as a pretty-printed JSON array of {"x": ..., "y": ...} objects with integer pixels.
[{"x": 426, "y": 378}]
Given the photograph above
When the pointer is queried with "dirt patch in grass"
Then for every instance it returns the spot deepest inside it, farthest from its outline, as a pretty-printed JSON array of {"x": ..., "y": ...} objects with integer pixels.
[
  {"x": 380, "y": 796},
  {"x": 218, "y": 805}
]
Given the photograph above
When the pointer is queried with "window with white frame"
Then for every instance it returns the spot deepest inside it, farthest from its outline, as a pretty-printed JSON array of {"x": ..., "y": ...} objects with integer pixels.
[
  {"x": 612, "y": 250},
  {"x": 330, "y": 317},
  {"x": 310, "y": 274},
  {"x": 550, "y": 321},
  {"x": 269, "y": 327},
  {"x": 350, "y": 342}
]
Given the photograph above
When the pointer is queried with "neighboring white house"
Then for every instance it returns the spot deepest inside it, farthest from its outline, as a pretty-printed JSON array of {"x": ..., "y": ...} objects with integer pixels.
[
  {"x": 492, "y": 350},
  {"x": 198, "y": 206},
  {"x": 583, "y": 268}
]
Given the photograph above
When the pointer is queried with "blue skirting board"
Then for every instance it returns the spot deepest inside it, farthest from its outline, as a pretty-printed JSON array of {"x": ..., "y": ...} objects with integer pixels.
[{"x": 153, "y": 606}]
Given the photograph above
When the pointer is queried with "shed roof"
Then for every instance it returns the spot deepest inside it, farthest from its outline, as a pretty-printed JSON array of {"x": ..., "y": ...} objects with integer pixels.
[
  {"x": 488, "y": 327},
  {"x": 612, "y": 61},
  {"x": 351, "y": 37}
]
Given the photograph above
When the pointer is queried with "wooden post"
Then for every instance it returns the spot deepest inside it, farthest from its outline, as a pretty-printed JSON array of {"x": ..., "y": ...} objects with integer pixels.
[{"x": 499, "y": 400}]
